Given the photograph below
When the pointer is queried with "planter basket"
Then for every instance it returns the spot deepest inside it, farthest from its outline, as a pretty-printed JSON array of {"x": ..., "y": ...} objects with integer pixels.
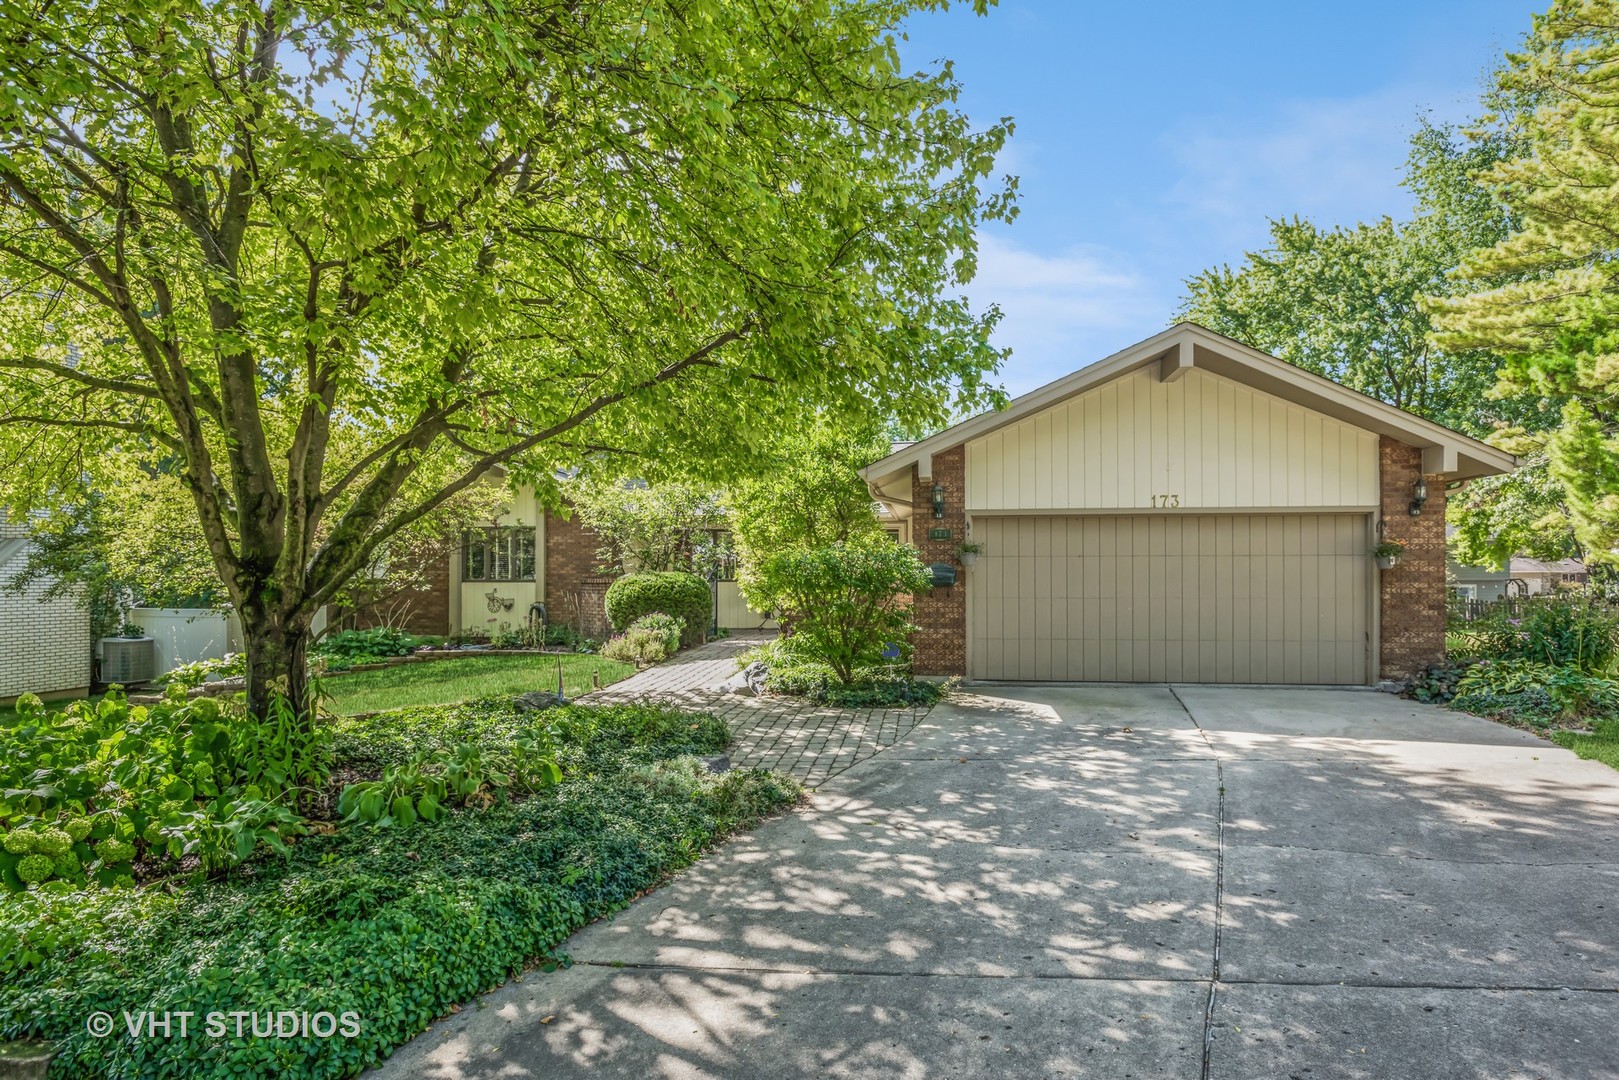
[
  {"x": 1387, "y": 562},
  {"x": 968, "y": 558}
]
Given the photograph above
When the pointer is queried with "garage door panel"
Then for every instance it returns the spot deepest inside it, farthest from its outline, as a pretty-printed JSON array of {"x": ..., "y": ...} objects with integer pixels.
[{"x": 1194, "y": 598}]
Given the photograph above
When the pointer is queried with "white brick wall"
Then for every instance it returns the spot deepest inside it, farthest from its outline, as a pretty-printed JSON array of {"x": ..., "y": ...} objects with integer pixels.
[{"x": 45, "y": 645}]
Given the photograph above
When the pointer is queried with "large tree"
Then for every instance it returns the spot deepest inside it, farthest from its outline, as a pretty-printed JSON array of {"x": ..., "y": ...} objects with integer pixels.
[
  {"x": 1547, "y": 296},
  {"x": 334, "y": 262}
]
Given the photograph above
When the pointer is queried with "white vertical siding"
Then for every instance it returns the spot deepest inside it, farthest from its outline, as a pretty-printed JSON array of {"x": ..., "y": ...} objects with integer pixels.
[{"x": 1213, "y": 442}]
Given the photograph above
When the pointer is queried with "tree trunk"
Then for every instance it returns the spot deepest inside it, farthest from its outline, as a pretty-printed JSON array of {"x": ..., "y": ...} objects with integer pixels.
[{"x": 277, "y": 666}]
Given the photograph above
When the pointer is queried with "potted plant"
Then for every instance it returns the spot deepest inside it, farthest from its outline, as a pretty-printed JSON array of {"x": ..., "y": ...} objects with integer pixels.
[
  {"x": 1388, "y": 554},
  {"x": 969, "y": 553}
]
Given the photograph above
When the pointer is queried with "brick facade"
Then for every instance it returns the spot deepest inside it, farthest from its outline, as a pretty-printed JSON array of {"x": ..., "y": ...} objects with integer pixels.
[
  {"x": 421, "y": 610},
  {"x": 575, "y": 594},
  {"x": 1412, "y": 595},
  {"x": 941, "y": 615},
  {"x": 45, "y": 644}
]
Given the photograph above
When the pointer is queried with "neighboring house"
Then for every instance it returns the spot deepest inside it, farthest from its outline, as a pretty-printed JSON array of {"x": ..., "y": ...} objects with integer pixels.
[
  {"x": 528, "y": 555},
  {"x": 1536, "y": 577},
  {"x": 1474, "y": 582},
  {"x": 1478, "y": 582},
  {"x": 45, "y": 645},
  {"x": 1189, "y": 509}
]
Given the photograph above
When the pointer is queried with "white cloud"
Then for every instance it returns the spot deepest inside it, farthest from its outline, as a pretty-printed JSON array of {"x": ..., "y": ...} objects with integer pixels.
[
  {"x": 1059, "y": 310},
  {"x": 1336, "y": 161}
]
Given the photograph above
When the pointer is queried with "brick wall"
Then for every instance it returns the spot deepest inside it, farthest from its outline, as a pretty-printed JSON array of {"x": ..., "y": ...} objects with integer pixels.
[
  {"x": 941, "y": 615},
  {"x": 574, "y": 593},
  {"x": 45, "y": 645},
  {"x": 424, "y": 610},
  {"x": 1412, "y": 594}
]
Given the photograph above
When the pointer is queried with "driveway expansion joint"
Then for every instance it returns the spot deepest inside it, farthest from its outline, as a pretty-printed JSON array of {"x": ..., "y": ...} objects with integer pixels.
[{"x": 1219, "y": 886}]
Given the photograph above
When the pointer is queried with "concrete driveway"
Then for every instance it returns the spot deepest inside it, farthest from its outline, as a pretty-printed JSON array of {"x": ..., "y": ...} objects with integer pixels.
[{"x": 1118, "y": 882}]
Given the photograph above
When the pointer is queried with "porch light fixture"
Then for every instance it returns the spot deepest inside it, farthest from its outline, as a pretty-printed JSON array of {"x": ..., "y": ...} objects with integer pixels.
[
  {"x": 1419, "y": 496},
  {"x": 938, "y": 500}
]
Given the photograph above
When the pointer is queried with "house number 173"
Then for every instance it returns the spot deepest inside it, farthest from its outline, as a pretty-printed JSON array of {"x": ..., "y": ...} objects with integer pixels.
[{"x": 1166, "y": 502}]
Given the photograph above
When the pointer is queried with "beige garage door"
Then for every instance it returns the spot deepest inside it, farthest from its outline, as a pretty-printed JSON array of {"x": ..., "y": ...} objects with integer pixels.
[{"x": 1171, "y": 598}]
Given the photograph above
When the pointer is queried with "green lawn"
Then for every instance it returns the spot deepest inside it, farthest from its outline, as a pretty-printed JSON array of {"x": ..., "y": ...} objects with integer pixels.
[
  {"x": 1601, "y": 744},
  {"x": 444, "y": 682}
]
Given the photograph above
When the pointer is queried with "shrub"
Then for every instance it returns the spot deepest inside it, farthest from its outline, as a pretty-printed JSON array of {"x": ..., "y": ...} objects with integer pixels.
[
  {"x": 1534, "y": 692},
  {"x": 198, "y": 671},
  {"x": 847, "y": 602},
  {"x": 888, "y": 685},
  {"x": 684, "y": 596},
  {"x": 1436, "y": 683},
  {"x": 1561, "y": 630},
  {"x": 111, "y": 781},
  {"x": 349, "y": 647},
  {"x": 667, "y": 625},
  {"x": 643, "y": 648}
]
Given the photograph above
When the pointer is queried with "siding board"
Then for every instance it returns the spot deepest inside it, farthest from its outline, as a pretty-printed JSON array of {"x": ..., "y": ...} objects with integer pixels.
[{"x": 1214, "y": 443}]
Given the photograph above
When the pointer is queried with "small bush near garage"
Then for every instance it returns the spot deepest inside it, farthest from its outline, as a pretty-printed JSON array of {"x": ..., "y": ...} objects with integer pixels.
[
  {"x": 668, "y": 592},
  {"x": 1541, "y": 663},
  {"x": 848, "y": 603},
  {"x": 394, "y": 923},
  {"x": 792, "y": 673},
  {"x": 1537, "y": 694},
  {"x": 1563, "y": 630}
]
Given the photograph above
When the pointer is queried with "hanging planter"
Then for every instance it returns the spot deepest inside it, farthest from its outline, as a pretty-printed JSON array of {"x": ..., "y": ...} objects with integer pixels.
[
  {"x": 969, "y": 553},
  {"x": 1388, "y": 554}
]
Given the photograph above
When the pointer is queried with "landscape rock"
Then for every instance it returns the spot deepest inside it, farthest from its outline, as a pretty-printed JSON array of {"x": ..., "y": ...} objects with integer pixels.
[
  {"x": 538, "y": 701},
  {"x": 750, "y": 681}
]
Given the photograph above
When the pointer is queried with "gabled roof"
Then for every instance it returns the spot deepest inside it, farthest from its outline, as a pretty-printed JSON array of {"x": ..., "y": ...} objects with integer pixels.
[
  {"x": 1523, "y": 564},
  {"x": 1446, "y": 453}
]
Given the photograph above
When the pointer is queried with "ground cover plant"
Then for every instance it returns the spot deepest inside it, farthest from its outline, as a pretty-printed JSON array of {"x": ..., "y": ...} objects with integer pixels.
[
  {"x": 1544, "y": 664},
  {"x": 793, "y": 671},
  {"x": 392, "y": 917}
]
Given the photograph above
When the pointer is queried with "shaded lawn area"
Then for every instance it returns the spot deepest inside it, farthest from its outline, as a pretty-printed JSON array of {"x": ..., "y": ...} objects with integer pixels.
[
  {"x": 1601, "y": 743},
  {"x": 445, "y": 682}
]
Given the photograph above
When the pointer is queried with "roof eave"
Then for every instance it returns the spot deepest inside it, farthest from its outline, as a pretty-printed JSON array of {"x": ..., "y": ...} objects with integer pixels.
[{"x": 1447, "y": 453}]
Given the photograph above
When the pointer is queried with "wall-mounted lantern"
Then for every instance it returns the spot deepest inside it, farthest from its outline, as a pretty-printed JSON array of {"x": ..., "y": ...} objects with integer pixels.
[
  {"x": 1419, "y": 496},
  {"x": 938, "y": 500}
]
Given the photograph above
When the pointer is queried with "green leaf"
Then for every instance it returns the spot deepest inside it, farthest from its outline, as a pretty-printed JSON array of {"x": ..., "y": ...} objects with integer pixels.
[{"x": 402, "y": 810}]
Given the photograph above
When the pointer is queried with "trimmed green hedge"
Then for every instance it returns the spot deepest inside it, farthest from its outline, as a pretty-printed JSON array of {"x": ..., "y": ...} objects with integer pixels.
[
  {"x": 395, "y": 925},
  {"x": 666, "y": 592}
]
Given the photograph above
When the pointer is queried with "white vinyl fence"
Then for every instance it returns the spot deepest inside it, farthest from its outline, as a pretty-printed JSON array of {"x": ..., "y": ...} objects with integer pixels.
[{"x": 186, "y": 635}]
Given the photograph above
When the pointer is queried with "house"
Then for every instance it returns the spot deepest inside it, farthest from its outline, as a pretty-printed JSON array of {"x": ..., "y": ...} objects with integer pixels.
[
  {"x": 45, "y": 643},
  {"x": 1536, "y": 577},
  {"x": 528, "y": 555},
  {"x": 1478, "y": 582},
  {"x": 1187, "y": 510}
]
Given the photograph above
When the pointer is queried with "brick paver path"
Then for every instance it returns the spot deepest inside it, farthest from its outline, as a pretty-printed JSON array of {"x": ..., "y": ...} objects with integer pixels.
[{"x": 812, "y": 743}]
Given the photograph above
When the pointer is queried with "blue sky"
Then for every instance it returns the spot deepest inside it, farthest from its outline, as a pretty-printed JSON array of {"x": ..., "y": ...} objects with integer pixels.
[{"x": 1154, "y": 140}]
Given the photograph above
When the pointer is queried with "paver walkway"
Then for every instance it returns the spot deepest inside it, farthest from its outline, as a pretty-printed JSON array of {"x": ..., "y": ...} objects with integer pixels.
[
  {"x": 1116, "y": 883},
  {"x": 812, "y": 743}
]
